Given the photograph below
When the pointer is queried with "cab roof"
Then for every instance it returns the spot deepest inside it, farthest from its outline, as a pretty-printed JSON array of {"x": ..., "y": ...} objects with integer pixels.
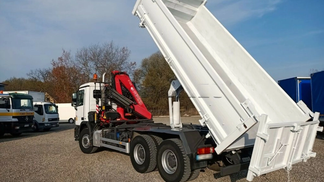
[{"x": 20, "y": 96}]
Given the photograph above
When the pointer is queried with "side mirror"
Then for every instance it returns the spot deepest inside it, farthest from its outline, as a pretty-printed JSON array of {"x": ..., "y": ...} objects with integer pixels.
[{"x": 74, "y": 99}]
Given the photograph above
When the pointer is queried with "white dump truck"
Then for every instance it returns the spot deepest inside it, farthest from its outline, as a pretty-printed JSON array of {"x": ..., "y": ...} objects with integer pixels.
[{"x": 248, "y": 121}]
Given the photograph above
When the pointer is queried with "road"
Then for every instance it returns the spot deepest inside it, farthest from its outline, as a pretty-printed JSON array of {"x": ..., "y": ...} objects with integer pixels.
[{"x": 55, "y": 156}]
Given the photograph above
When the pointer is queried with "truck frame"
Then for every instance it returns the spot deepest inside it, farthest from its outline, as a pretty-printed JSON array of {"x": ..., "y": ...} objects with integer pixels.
[{"x": 248, "y": 121}]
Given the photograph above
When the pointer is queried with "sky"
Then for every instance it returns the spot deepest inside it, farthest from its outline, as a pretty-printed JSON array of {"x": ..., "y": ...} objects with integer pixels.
[{"x": 286, "y": 37}]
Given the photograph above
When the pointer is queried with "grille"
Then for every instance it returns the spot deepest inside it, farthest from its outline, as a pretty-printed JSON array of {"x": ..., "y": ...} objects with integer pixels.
[
  {"x": 53, "y": 119},
  {"x": 24, "y": 119}
]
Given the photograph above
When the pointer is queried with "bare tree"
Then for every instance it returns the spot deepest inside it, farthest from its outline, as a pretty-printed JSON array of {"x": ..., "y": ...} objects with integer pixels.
[
  {"x": 103, "y": 58},
  {"x": 40, "y": 74},
  {"x": 67, "y": 74}
]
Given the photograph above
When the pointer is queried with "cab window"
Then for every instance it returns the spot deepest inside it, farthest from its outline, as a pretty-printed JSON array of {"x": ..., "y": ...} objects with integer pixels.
[
  {"x": 18, "y": 103},
  {"x": 50, "y": 109},
  {"x": 4, "y": 103},
  {"x": 80, "y": 96},
  {"x": 38, "y": 109}
]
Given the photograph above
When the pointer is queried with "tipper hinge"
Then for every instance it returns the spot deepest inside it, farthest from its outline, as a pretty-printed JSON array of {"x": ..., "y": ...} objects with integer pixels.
[
  {"x": 249, "y": 108},
  {"x": 204, "y": 119}
]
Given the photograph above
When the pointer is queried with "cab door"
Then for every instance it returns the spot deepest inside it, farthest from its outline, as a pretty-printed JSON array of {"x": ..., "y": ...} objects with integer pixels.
[
  {"x": 80, "y": 107},
  {"x": 38, "y": 113},
  {"x": 5, "y": 108}
]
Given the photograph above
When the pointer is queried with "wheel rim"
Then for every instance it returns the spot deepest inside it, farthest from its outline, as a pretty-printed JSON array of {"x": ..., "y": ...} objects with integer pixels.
[
  {"x": 139, "y": 154},
  {"x": 169, "y": 161},
  {"x": 86, "y": 141}
]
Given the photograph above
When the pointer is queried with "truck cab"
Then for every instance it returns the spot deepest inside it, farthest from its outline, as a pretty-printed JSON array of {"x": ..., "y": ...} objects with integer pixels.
[
  {"x": 82, "y": 103},
  {"x": 16, "y": 113},
  {"x": 46, "y": 116}
]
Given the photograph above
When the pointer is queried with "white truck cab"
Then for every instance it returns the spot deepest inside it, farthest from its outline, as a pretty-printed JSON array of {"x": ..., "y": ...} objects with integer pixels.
[{"x": 46, "y": 116}]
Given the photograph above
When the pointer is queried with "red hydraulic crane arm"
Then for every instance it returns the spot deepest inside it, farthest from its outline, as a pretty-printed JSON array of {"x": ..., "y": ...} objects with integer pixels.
[{"x": 124, "y": 86}]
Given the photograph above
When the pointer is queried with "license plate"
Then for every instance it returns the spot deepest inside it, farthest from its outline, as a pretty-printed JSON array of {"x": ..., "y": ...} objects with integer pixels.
[{"x": 26, "y": 125}]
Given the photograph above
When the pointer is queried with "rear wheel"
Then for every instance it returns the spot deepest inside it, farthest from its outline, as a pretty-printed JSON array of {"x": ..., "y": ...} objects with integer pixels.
[
  {"x": 86, "y": 143},
  {"x": 173, "y": 163},
  {"x": 158, "y": 140},
  {"x": 71, "y": 121},
  {"x": 194, "y": 174},
  {"x": 143, "y": 153}
]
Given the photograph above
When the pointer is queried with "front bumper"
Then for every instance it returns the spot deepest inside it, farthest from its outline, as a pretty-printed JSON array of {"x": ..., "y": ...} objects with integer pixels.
[
  {"x": 21, "y": 127},
  {"x": 47, "y": 125}
]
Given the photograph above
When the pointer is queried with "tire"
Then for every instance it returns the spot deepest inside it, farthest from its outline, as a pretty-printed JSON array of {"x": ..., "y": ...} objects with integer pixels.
[
  {"x": 15, "y": 133},
  {"x": 143, "y": 153},
  {"x": 71, "y": 121},
  {"x": 1, "y": 130},
  {"x": 158, "y": 140},
  {"x": 46, "y": 129},
  {"x": 173, "y": 163},
  {"x": 86, "y": 142},
  {"x": 194, "y": 174},
  {"x": 35, "y": 126}
]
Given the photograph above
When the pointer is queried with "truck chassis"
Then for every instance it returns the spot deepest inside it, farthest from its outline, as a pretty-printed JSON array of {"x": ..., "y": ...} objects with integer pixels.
[{"x": 179, "y": 155}]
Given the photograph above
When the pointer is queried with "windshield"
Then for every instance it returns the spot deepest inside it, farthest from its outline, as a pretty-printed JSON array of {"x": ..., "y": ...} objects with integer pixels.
[
  {"x": 50, "y": 109},
  {"x": 22, "y": 104},
  {"x": 4, "y": 102}
]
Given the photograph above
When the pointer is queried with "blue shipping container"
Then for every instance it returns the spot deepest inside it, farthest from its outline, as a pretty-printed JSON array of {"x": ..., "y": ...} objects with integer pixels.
[
  {"x": 317, "y": 85},
  {"x": 298, "y": 88}
]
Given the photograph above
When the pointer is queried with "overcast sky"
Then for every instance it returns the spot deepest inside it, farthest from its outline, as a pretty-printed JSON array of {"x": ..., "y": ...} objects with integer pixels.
[{"x": 285, "y": 36}]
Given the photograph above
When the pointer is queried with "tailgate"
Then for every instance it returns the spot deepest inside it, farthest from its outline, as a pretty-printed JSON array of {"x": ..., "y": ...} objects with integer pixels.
[{"x": 280, "y": 145}]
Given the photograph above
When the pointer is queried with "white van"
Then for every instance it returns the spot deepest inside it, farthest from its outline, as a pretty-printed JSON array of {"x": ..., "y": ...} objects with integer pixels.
[
  {"x": 46, "y": 116},
  {"x": 66, "y": 112}
]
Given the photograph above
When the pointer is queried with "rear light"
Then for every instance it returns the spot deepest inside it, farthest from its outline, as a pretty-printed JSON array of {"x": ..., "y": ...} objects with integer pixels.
[
  {"x": 205, "y": 153},
  {"x": 205, "y": 150}
]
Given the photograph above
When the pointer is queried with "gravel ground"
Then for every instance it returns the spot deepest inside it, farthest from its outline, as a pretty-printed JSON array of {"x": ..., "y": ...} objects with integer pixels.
[{"x": 55, "y": 156}]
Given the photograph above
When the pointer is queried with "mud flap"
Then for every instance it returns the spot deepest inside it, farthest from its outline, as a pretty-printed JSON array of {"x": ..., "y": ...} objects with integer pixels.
[{"x": 280, "y": 145}]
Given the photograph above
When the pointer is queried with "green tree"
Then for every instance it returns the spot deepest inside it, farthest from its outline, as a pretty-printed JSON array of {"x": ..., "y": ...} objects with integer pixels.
[
  {"x": 155, "y": 76},
  {"x": 19, "y": 84}
]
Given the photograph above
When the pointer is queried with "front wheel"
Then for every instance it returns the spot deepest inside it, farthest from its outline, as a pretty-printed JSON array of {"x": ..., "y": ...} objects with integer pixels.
[
  {"x": 173, "y": 163},
  {"x": 46, "y": 129},
  {"x": 35, "y": 126},
  {"x": 15, "y": 133},
  {"x": 143, "y": 153},
  {"x": 86, "y": 143}
]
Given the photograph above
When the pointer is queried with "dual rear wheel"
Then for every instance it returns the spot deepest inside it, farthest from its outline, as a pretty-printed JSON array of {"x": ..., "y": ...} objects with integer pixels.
[{"x": 151, "y": 152}]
